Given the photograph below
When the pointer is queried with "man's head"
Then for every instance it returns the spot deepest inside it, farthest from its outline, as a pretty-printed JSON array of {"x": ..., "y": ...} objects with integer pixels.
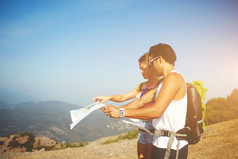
[
  {"x": 160, "y": 57},
  {"x": 164, "y": 51}
]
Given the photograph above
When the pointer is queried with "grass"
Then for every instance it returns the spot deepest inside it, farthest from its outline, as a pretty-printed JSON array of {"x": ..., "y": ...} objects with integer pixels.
[
  {"x": 70, "y": 145},
  {"x": 130, "y": 135}
]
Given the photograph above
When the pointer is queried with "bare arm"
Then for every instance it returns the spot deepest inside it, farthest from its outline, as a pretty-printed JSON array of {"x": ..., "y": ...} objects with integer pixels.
[
  {"x": 165, "y": 96},
  {"x": 169, "y": 91},
  {"x": 140, "y": 102},
  {"x": 117, "y": 98}
]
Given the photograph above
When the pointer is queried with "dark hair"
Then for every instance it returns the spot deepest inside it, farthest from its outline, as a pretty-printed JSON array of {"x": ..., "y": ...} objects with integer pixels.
[
  {"x": 144, "y": 58},
  {"x": 165, "y": 51}
]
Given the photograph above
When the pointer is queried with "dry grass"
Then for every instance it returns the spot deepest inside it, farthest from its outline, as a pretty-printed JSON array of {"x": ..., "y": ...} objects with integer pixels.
[{"x": 219, "y": 141}]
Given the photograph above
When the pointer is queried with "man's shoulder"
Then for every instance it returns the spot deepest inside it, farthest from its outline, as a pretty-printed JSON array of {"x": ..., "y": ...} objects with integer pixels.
[{"x": 174, "y": 78}]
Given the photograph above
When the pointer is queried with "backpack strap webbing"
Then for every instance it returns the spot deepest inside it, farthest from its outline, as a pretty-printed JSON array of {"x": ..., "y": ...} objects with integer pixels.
[
  {"x": 141, "y": 86},
  {"x": 171, "y": 136},
  {"x": 169, "y": 145}
]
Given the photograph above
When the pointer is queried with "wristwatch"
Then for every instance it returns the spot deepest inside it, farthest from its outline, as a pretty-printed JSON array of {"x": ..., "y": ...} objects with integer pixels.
[{"x": 121, "y": 112}]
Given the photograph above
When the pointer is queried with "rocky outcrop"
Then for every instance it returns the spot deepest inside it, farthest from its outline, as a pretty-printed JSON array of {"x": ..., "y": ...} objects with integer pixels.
[
  {"x": 25, "y": 142},
  {"x": 13, "y": 144},
  {"x": 43, "y": 143}
]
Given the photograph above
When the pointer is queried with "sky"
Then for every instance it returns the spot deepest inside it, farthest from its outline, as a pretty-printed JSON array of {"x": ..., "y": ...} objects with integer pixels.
[{"x": 74, "y": 50}]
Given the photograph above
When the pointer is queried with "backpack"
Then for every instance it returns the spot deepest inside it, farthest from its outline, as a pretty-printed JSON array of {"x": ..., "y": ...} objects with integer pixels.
[
  {"x": 194, "y": 124},
  {"x": 196, "y": 109}
]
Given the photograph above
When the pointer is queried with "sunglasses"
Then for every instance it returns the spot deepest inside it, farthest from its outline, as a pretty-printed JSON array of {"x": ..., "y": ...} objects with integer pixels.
[{"x": 151, "y": 61}]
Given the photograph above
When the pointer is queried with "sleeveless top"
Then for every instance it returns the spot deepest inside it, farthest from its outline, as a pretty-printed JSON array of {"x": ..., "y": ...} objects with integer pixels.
[
  {"x": 172, "y": 120},
  {"x": 145, "y": 89}
]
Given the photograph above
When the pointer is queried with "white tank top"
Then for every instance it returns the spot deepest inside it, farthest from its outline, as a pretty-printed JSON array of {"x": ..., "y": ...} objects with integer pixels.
[{"x": 172, "y": 120}]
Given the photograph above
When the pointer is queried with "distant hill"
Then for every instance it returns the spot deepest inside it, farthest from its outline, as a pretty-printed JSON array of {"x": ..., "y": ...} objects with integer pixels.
[
  {"x": 4, "y": 104},
  {"x": 12, "y": 97},
  {"x": 52, "y": 119}
]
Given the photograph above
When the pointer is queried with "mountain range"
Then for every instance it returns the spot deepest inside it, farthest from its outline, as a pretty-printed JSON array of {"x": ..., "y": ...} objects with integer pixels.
[
  {"x": 14, "y": 97},
  {"x": 52, "y": 119}
]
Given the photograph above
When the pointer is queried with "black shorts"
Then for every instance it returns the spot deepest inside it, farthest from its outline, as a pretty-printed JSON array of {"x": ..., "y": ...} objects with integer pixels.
[{"x": 159, "y": 153}]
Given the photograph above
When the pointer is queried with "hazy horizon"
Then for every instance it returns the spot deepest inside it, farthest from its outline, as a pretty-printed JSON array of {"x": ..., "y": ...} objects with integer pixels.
[{"x": 74, "y": 50}]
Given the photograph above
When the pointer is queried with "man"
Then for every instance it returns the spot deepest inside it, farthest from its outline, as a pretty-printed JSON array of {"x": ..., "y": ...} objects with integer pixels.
[{"x": 169, "y": 110}]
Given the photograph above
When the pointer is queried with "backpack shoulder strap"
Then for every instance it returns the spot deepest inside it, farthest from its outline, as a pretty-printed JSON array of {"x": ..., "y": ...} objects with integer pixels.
[{"x": 140, "y": 86}]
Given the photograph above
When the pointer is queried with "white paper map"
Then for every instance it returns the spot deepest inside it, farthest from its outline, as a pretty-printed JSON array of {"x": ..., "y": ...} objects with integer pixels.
[
  {"x": 79, "y": 114},
  {"x": 137, "y": 122}
]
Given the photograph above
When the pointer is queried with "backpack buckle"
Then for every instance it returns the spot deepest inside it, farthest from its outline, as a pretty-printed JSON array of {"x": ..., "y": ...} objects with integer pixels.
[{"x": 162, "y": 133}]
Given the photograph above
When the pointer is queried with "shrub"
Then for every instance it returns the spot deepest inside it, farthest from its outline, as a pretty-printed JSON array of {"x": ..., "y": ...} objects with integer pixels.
[
  {"x": 14, "y": 143},
  {"x": 222, "y": 109},
  {"x": 29, "y": 144}
]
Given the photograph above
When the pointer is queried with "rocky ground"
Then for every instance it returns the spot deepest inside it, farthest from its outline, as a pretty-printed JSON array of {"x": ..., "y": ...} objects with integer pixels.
[{"x": 219, "y": 141}]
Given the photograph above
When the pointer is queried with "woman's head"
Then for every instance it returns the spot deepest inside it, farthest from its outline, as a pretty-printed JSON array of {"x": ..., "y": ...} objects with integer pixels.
[{"x": 145, "y": 70}]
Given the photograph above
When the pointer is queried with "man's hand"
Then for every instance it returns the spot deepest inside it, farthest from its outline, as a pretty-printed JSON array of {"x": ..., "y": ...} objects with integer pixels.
[
  {"x": 111, "y": 111},
  {"x": 101, "y": 99}
]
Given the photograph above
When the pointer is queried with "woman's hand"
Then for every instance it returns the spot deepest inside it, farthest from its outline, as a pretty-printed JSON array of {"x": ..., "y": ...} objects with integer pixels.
[{"x": 101, "y": 99}]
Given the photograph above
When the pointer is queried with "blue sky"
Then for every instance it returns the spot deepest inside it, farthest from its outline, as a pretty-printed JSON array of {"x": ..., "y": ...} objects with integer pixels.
[{"x": 75, "y": 50}]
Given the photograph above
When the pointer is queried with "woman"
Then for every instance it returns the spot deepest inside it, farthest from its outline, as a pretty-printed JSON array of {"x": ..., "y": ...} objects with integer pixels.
[{"x": 144, "y": 143}]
